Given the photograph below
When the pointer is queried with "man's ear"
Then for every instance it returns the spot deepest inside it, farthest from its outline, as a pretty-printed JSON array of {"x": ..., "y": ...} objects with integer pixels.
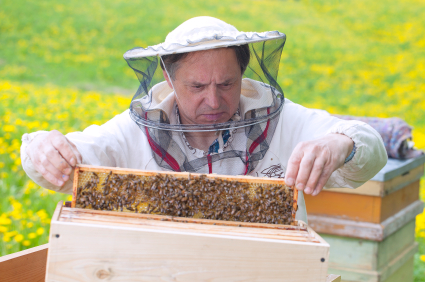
[{"x": 167, "y": 78}]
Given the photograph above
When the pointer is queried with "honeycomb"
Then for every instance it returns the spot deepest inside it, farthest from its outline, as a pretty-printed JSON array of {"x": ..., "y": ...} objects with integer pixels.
[{"x": 194, "y": 196}]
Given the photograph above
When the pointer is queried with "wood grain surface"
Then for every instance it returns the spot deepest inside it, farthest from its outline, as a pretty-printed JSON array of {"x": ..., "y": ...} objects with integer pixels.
[
  {"x": 86, "y": 253},
  {"x": 88, "y": 245},
  {"x": 28, "y": 265},
  {"x": 158, "y": 222},
  {"x": 32, "y": 272}
]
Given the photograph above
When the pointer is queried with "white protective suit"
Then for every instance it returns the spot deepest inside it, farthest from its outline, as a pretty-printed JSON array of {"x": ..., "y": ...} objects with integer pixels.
[{"x": 121, "y": 143}]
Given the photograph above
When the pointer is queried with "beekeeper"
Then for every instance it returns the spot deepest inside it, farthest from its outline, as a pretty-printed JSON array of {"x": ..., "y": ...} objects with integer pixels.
[{"x": 209, "y": 102}]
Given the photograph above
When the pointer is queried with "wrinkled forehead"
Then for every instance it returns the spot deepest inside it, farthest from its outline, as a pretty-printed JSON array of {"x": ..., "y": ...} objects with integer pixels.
[
  {"x": 219, "y": 65},
  {"x": 203, "y": 56}
]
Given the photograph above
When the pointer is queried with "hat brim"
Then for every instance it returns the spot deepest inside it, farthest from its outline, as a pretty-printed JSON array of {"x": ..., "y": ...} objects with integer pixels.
[{"x": 204, "y": 43}]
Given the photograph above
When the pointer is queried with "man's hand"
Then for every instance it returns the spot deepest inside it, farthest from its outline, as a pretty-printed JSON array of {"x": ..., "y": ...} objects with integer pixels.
[
  {"x": 53, "y": 156},
  {"x": 312, "y": 162}
]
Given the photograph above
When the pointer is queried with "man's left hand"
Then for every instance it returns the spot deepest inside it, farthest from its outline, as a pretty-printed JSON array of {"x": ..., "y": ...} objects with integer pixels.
[{"x": 312, "y": 162}]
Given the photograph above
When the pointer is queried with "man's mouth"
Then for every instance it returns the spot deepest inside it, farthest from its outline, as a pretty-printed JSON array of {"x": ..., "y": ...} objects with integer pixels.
[{"x": 213, "y": 117}]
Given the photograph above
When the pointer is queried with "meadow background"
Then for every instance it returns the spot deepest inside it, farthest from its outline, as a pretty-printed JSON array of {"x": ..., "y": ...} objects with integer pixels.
[{"x": 61, "y": 67}]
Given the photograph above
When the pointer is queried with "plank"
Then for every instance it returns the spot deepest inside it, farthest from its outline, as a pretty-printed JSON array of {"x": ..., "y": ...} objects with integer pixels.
[
  {"x": 366, "y": 254},
  {"x": 28, "y": 265},
  {"x": 75, "y": 185},
  {"x": 395, "y": 167},
  {"x": 361, "y": 207},
  {"x": 365, "y": 230},
  {"x": 404, "y": 273},
  {"x": 87, "y": 252},
  {"x": 395, "y": 202},
  {"x": 382, "y": 275},
  {"x": 396, "y": 243},
  {"x": 298, "y": 225},
  {"x": 240, "y": 178},
  {"x": 99, "y": 218},
  {"x": 381, "y": 189}
]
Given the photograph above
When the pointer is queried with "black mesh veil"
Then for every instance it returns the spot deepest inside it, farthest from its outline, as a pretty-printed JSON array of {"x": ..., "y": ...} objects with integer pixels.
[{"x": 245, "y": 139}]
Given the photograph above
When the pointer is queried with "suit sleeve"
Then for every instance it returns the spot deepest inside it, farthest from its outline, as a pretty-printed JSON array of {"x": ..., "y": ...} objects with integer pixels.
[
  {"x": 104, "y": 145},
  {"x": 302, "y": 124}
]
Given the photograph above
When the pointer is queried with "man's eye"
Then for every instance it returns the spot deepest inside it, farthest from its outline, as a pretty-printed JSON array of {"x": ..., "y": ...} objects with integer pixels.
[{"x": 197, "y": 86}]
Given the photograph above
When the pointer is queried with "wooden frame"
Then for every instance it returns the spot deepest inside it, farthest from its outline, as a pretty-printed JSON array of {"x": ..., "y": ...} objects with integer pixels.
[
  {"x": 88, "y": 245},
  {"x": 244, "y": 179}
]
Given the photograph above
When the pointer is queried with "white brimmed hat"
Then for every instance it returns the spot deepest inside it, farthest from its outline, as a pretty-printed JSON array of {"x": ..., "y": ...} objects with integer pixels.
[{"x": 201, "y": 33}]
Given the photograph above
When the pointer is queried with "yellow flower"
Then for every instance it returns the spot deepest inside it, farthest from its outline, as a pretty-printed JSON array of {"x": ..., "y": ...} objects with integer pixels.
[
  {"x": 3, "y": 229},
  {"x": 16, "y": 214},
  {"x": 9, "y": 128},
  {"x": 5, "y": 221},
  {"x": 16, "y": 205},
  {"x": 29, "y": 112},
  {"x": 40, "y": 230},
  {"x": 26, "y": 243},
  {"x": 11, "y": 233},
  {"x": 18, "y": 238},
  {"x": 32, "y": 235},
  {"x": 422, "y": 258},
  {"x": 6, "y": 238},
  {"x": 42, "y": 214},
  {"x": 30, "y": 224}
]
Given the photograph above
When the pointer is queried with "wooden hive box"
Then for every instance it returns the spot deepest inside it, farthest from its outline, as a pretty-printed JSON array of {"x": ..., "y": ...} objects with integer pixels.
[
  {"x": 372, "y": 238},
  {"x": 30, "y": 265},
  {"x": 92, "y": 245}
]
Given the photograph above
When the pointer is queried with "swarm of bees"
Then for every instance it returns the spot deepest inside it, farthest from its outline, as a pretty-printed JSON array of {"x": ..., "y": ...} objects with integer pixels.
[{"x": 199, "y": 197}]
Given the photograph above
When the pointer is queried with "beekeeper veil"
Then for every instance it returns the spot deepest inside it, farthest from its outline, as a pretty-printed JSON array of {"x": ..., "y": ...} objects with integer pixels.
[{"x": 244, "y": 139}]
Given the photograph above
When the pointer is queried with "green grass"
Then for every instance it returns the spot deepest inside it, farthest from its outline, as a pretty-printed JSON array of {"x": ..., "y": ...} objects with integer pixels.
[
  {"x": 353, "y": 57},
  {"x": 419, "y": 271}
]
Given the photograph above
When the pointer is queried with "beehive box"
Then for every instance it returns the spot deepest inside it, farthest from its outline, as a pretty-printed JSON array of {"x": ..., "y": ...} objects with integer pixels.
[
  {"x": 30, "y": 265},
  {"x": 145, "y": 245},
  {"x": 371, "y": 229}
]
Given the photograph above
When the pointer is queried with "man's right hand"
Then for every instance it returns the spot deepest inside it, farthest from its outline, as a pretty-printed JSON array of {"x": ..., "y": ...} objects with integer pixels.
[{"x": 53, "y": 156}]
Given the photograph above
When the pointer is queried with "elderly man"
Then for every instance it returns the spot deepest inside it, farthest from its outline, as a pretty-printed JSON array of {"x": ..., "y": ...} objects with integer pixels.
[{"x": 219, "y": 110}]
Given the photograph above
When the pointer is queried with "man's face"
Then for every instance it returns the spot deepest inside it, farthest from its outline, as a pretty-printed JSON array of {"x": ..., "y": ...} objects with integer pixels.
[{"x": 207, "y": 86}]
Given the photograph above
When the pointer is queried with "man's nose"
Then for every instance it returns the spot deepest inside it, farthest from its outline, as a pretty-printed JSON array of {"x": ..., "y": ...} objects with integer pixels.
[{"x": 212, "y": 98}]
